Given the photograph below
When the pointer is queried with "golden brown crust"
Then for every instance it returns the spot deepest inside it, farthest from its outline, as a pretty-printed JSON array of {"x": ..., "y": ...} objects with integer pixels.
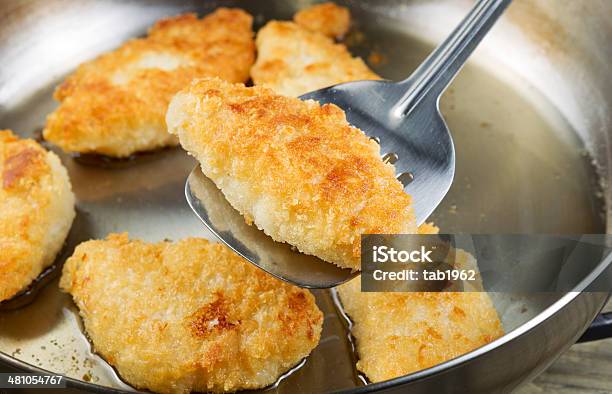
[
  {"x": 297, "y": 169},
  {"x": 189, "y": 315},
  {"x": 115, "y": 105},
  {"x": 428, "y": 228},
  {"x": 400, "y": 333},
  {"x": 21, "y": 166},
  {"x": 328, "y": 19},
  {"x": 293, "y": 60},
  {"x": 36, "y": 210}
]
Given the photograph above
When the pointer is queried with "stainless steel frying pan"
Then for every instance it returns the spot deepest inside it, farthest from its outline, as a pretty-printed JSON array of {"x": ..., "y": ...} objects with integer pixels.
[{"x": 530, "y": 116}]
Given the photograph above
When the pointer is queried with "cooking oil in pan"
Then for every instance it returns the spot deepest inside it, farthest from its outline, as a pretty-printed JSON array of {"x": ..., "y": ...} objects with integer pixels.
[
  {"x": 349, "y": 327},
  {"x": 518, "y": 166}
]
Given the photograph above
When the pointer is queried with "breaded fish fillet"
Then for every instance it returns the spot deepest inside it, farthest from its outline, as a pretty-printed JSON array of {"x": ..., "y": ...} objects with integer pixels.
[
  {"x": 295, "y": 168},
  {"x": 292, "y": 60},
  {"x": 36, "y": 211},
  {"x": 189, "y": 315},
  {"x": 328, "y": 19},
  {"x": 400, "y": 333},
  {"x": 115, "y": 105}
]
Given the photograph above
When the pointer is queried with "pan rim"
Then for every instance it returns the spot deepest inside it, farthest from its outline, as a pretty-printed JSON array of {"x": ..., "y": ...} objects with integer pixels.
[{"x": 528, "y": 326}]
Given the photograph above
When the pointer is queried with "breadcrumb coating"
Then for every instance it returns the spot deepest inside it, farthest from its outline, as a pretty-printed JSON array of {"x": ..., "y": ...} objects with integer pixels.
[
  {"x": 295, "y": 168},
  {"x": 36, "y": 211},
  {"x": 428, "y": 228},
  {"x": 115, "y": 105},
  {"x": 400, "y": 333},
  {"x": 328, "y": 19},
  {"x": 292, "y": 60},
  {"x": 176, "y": 317}
]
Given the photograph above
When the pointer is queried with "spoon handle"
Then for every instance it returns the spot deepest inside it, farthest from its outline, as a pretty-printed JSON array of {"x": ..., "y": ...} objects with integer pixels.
[{"x": 440, "y": 67}]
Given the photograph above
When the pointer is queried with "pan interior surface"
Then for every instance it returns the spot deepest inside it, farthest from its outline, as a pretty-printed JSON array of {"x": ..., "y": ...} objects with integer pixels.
[{"x": 520, "y": 162}]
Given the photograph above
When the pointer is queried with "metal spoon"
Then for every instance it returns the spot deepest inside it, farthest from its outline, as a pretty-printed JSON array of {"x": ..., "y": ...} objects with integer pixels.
[{"x": 403, "y": 116}]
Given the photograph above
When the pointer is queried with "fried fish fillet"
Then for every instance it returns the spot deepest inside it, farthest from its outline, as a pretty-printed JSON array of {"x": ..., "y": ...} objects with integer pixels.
[
  {"x": 115, "y": 105},
  {"x": 189, "y": 315},
  {"x": 295, "y": 168},
  {"x": 400, "y": 333},
  {"x": 328, "y": 19},
  {"x": 293, "y": 60},
  {"x": 36, "y": 211}
]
